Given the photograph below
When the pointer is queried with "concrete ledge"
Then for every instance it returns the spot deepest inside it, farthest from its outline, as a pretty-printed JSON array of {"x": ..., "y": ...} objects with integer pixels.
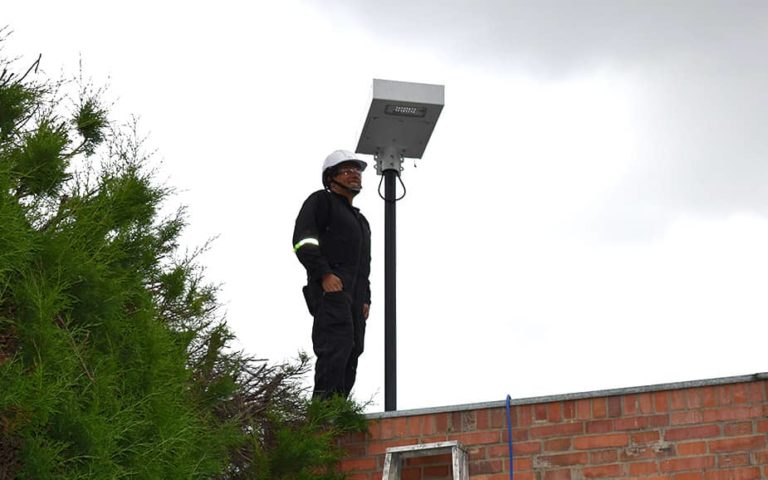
[{"x": 572, "y": 396}]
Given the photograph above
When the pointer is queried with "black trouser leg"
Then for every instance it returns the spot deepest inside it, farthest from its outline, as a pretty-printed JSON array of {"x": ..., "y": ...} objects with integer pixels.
[
  {"x": 351, "y": 370},
  {"x": 333, "y": 339}
]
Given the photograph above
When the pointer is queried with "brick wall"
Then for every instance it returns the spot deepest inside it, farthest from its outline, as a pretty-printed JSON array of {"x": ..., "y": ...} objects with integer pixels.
[{"x": 712, "y": 429}]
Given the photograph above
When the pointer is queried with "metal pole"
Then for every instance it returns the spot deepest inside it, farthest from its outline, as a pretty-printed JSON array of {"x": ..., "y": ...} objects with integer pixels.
[{"x": 390, "y": 293}]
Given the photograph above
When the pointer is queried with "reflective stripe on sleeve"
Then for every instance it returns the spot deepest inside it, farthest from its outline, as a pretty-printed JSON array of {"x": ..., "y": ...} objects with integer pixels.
[{"x": 306, "y": 241}]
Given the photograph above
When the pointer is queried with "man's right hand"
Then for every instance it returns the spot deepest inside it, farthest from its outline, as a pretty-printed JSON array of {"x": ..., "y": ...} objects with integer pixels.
[{"x": 332, "y": 283}]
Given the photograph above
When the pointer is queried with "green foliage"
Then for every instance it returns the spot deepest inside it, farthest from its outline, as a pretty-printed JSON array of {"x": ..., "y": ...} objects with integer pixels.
[
  {"x": 91, "y": 122},
  {"x": 114, "y": 361}
]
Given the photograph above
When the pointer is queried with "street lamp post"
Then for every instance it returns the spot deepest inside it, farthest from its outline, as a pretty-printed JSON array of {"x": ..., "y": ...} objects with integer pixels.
[{"x": 400, "y": 121}]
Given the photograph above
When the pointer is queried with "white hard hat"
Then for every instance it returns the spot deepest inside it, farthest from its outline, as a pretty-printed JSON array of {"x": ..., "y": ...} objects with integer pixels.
[{"x": 341, "y": 156}]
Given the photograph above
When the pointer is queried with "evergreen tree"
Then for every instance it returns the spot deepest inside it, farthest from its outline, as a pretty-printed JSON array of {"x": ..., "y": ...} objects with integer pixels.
[{"x": 114, "y": 361}]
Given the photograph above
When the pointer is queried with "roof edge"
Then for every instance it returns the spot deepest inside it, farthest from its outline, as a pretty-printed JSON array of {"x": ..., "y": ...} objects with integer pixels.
[{"x": 572, "y": 396}]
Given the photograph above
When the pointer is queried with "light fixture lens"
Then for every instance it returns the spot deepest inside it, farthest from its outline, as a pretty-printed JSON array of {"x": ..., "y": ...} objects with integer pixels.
[{"x": 405, "y": 111}]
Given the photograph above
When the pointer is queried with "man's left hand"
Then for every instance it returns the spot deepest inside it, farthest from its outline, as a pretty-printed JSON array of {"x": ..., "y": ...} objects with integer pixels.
[{"x": 366, "y": 308}]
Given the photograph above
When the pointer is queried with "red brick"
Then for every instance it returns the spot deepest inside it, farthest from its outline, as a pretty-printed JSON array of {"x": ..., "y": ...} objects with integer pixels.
[
  {"x": 476, "y": 452},
  {"x": 476, "y": 438},
  {"x": 441, "y": 422},
  {"x": 645, "y": 437},
  {"x": 557, "y": 445},
  {"x": 762, "y": 426},
  {"x": 689, "y": 476},
  {"x": 443, "y": 459},
  {"x": 733, "y": 460},
  {"x": 599, "y": 408},
  {"x": 709, "y": 397},
  {"x": 427, "y": 426},
  {"x": 557, "y": 430},
  {"x": 645, "y": 403},
  {"x": 614, "y": 406},
  {"x": 661, "y": 402},
  {"x": 521, "y": 476},
  {"x": 410, "y": 474},
  {"x": 637, "y": 469},
  {"x": 678, "y": 400},
  {"x": 439, "y": 471},
  {"x": 684, "y": 433},
  {"x": 540, "y": 413},
  {"x": 691, "y": 448},
  {"x": 602, "y": 471},
  {"x": 355, "y": 450},
  {"x": 523, "y": 448},
  {"x": 521, "y": 463},
  {"x": 353, "y": 438},
  {"x": 583, "y": 409},
  {"x": 724, "y": 394},
  {"x": 455, "y": 422},
  {"x": 374, "y": 429},
  {"x": 755, "y": 392},
  {"x": 603, "y": 456},
  {"x": 569, "y": 410},
  {"x": 492, "y": 476},
  {"x": 693, "y": 397},
  {"x": 732, "y": 413},
  {"x": 430, "y": 439},
  {"x": 740, "y": 393},
  {"x": 631, "y": 423},
  {"x": 393, "y": 427},
  {"x": 359, "y": 464},
  {"x": 483, "y": 420},
  {"x": 737, "y": 444},
  {"x": 658, "y": 420},
  {"x": 563, "y": 474},
  {"x": 485, "y": 467},
  {"x": 685, "y": 417},
  {"x": 747, "y": 473},
  {"x": 630, "y": 404},
  {"x": 498, "y": 417},
  {"x": 565, "y": 459},
  {"x": 497, "y": 451},
  {"x": 379, "y": 448},
  {"x": 553, "y": 412},
  {"x": 524, "y": 415},
  {"x": 414, "y": 426},
  {"x": 518, "y": 435},
  {"x": 599, "y": 426},
  {"x": 687, "y": 463},
  {"x": 738, "y": 428},
  {"x": 601, "y": 441},
  {"x": 761, "y": 457}
]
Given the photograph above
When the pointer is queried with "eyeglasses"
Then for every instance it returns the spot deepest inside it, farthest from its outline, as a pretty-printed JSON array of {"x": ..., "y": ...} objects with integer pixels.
[{"x": 348, "y": 171}]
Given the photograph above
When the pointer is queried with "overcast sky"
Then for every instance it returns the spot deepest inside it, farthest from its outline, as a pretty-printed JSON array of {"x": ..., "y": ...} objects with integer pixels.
[{"x": 590, "y": 213}]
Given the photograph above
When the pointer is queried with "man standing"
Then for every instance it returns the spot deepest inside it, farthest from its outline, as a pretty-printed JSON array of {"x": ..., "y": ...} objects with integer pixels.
[{"x": 332, "y": 239}]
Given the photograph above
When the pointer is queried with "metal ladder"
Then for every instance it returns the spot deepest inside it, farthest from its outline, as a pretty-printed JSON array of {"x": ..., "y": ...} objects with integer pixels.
[{"x": 393, "y": 462}]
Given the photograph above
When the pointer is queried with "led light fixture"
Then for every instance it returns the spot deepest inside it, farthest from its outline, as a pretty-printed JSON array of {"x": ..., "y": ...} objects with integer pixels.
[
  {"x": 406, "y": 111},
  {"x": 400, "y": 119}
]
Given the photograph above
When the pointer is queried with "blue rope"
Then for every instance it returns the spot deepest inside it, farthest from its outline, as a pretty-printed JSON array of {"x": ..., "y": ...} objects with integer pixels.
[{"x": 509, "y": 439}]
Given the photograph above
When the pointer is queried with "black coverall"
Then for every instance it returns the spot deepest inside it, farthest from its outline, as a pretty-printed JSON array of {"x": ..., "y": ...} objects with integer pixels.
[{"x": 332, "y": 236}]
